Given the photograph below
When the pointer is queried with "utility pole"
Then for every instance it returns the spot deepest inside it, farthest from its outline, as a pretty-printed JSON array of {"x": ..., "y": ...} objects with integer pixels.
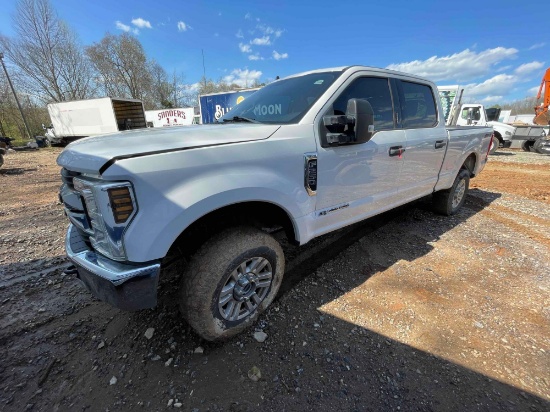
[
  {"x": 203, "y": 68},
  {"x": 15, "y": 95}
]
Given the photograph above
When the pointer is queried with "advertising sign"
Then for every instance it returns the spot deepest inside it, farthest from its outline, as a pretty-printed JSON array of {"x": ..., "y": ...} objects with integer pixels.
[
  {"x": 170, "y": 117},
  {"x": 214, "y": 106}
]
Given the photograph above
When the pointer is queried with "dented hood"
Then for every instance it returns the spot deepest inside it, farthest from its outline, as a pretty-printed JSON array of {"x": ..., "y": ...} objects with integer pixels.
[{"x": 94, "y": 154}]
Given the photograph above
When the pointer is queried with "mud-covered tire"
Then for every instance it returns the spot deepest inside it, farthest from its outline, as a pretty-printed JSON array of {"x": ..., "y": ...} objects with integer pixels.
[
  {"x": 448, "y": 202},
  {"x": 218, "y": 266}
]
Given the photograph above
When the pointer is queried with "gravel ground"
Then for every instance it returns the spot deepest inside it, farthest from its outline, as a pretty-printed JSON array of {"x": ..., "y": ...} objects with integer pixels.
[{"x": 406, "y": 311}]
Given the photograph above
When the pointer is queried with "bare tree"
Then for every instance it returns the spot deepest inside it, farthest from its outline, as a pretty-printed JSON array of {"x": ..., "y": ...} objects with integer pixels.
[
  {"x": 163, "y": 92},
  {"x": 47, "y": 52},
  {"x": 523, "y": 106},
  {"x": 122, "y": 66}
]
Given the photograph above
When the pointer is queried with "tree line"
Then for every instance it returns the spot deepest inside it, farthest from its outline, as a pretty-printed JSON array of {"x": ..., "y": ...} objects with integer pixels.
[{"x": 47, "y": 63}]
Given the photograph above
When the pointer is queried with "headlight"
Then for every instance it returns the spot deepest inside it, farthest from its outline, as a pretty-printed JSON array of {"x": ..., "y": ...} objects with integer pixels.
[{"x": 110, "y": 208}]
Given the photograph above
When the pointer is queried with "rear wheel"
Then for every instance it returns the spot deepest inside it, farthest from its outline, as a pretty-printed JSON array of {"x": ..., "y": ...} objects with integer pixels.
[
  {"x": 231, "y": 280},
  {"x": 542, "y": 146},
  {"x": 448, "y": 202},
  {"x": 527, "y": 145}
]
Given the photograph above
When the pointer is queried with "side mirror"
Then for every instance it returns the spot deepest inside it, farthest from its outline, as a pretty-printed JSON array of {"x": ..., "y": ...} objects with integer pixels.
[
  {"x": 356, "y": 126},
  {"x": 364, "y": 119}
]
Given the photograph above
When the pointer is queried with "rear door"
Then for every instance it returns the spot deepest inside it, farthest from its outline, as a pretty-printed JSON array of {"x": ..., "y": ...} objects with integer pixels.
[{"x": 426, "y": 139}]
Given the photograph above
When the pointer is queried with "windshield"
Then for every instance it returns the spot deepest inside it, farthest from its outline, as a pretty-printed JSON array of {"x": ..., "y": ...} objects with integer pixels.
[{"x": 284, "y": 101}]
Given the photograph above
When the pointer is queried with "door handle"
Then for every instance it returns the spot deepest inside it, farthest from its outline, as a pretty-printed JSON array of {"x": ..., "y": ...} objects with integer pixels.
[
  {"x": 440, "y": 143},
  {"x": 396, "y": 151}
]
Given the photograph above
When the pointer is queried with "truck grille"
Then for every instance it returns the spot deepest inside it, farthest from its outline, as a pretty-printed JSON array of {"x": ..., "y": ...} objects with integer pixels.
[{"x": 67, "y": 176}]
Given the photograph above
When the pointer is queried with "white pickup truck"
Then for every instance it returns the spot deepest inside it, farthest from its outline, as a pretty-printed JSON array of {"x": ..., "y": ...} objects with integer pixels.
[
  {"x": 309, "y": 154},
  {"x": 474, "y": 114}
]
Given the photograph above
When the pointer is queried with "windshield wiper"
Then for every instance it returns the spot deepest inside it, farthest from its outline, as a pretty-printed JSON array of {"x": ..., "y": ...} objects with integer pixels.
[{"x": 240, "y": 119}]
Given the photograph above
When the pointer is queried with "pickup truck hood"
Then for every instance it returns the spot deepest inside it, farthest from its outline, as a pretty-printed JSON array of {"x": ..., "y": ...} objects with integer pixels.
[{"x": 91, "y": 154}]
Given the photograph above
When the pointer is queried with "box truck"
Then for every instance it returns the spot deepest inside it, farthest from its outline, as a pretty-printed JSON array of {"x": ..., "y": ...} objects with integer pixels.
[{"x": 82, "y": 118}]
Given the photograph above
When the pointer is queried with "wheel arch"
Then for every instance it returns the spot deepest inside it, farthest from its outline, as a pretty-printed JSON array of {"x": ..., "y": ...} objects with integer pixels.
[
  {"x": 498, "y": 136},
  {"x": 470, "y": 164},
  {"x": 264, "y": 215}
]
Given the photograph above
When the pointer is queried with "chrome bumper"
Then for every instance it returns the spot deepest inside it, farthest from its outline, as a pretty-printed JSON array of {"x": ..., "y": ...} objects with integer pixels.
[{"x": 123, "y": 285}]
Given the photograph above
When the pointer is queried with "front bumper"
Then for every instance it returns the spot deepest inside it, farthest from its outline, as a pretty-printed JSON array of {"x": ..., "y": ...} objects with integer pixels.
[{"x": 125, "y": 286}]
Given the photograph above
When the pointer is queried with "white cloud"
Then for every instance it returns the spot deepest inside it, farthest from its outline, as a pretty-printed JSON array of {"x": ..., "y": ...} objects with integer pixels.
[
  {"x": 529, "y": 67},
  {"x": 122, "y": 26},
  {"x": 192, "y": 88},
  {"x": 497, "y": 85},
  {"x": 126, "y": 28},
  {"x": 239, "y": 34},
  {"x": 537, "y": 46},
  {"x": 533, "y": 91},
  {"x": 492, "y": 99},
  {"x": 265, "y": 29},
  {"x": 248, "y": 16},
  {"x": 182, "y": 26},
  {"x": 142, "y": 24},
  {"x": 245, "y": 48},
  {"x": 244, "y": 78},
  {"x": 268, "y": 30},
  {"x": 255, "y": 57},
  {"x": 504, "y": 68},
  {"x": 261, "y": 41},
  {"x": 463, "y": 66},
  {"x": 279, "y": 56}
]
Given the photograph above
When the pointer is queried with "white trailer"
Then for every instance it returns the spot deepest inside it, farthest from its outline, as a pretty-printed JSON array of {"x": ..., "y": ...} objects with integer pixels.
[
  {"x": 82, "y": 118},
  {"x": 170, "y": 117}
]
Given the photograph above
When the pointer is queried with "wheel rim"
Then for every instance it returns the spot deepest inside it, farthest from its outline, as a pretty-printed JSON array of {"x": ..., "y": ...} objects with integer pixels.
[
  {"x": 459, "y": 193},
  {"x": 245, "y": 288}
]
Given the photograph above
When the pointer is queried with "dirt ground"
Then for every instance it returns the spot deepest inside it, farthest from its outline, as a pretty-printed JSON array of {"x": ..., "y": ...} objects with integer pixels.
[{"x": 406, "y": 311}]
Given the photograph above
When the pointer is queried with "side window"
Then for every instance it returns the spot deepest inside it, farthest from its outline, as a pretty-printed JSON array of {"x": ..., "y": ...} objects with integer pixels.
[
  {"x": 476, "y": 113},
  {"x": 418, "y": 105},
  {"x": 377, "y": 91}
]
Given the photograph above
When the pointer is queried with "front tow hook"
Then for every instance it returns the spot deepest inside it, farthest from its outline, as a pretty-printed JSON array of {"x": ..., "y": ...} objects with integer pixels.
[{"x": 71, "y": 270}]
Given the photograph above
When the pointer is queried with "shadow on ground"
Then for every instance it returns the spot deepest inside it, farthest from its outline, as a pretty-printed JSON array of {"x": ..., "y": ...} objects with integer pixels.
[{"x": 341, "y": 366}]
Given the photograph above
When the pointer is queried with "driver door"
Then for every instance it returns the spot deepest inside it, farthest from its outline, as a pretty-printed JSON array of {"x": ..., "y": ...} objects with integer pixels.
[{"x": 356, "y": 181}]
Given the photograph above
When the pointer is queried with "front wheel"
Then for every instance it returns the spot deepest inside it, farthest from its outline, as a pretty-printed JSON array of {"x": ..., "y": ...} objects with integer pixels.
[
  {"x": 495, "y": 143},
  {"x": 448, "y": 202},
  {"x": 231, "y": 280}
]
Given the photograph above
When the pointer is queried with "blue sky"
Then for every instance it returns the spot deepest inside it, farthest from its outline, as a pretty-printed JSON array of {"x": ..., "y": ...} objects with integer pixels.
[{"x": 498, "y": 51}]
